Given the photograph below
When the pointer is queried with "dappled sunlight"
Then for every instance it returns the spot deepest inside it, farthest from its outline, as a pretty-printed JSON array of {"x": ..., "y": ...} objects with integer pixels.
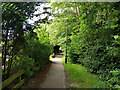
[
  {"x": 36, "y": 34},
  {"x": 57, "y": 59}
]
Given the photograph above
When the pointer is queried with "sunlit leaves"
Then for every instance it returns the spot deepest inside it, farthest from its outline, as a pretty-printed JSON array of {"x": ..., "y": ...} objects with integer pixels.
[
  {"x": 116, "y": 36},
  {"x": 93, "y": 34}
]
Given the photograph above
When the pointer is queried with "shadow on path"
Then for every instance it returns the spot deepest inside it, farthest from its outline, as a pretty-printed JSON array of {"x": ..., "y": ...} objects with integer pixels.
[
  {"x": 51, "y": 76},
  {"x": 37, "y": 78},
  {"x": 56, "y": 75}
]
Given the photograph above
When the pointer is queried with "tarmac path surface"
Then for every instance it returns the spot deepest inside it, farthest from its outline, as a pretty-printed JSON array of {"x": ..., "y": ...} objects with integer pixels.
[
  {"x": 52, "y": 76},
  {"x": 56, "y": 75}
]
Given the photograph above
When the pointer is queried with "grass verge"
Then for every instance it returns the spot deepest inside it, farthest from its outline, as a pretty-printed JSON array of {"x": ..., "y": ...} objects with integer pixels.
[
  {"x": 79, "y": 77},
  {"x": 0, "y": 54}
]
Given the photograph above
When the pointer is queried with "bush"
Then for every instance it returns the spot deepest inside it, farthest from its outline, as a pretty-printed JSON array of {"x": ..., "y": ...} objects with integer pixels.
[
  {"x": 94, "y": 44},
  {"x": 37, "y": 50}
]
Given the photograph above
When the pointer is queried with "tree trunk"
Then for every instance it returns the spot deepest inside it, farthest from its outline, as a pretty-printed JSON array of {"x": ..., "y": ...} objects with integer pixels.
[{"x": 4, "y": 59}]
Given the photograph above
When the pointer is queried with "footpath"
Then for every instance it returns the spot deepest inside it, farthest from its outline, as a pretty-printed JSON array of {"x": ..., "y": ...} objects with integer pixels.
[{"x": 52, "y": 77}]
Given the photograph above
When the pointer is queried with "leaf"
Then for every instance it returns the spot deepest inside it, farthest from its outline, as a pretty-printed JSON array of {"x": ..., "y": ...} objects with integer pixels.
[{"x": 116, "y": 36}]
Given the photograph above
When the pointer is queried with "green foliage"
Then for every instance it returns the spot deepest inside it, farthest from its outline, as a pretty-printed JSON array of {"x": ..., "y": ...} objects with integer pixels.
[
  {"x": 14, "y": 15},
  {"x": 114, "y": 81},
  {"x": 93, "y": 35},
  {"x": 36, "y": 68},
  {"x": 38, "y": 47},
  {"x": 27, "y": 63}
]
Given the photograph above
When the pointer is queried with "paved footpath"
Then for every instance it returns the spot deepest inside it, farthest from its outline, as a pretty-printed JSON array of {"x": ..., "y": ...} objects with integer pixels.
[
  {"x": 56, "y": 76},
  {"x": 51, "y": 76}
]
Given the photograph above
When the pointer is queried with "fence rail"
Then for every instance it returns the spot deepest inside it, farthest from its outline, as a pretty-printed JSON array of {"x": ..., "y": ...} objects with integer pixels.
[{"x": 13, "y": 77}]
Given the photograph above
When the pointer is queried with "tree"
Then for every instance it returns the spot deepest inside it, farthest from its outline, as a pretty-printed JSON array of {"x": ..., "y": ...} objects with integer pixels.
[
  {"x": 90, "y": 34},
  {"x": 14, "y": 14}
]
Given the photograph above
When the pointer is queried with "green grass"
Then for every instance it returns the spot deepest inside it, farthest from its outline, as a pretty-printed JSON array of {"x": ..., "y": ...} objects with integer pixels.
[
  {"x": 79, "y": 76},
  {"x": 0, "y": 54}
]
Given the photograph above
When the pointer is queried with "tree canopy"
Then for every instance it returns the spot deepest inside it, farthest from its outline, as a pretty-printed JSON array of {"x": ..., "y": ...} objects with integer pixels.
[{"x": 93, "y": 36}]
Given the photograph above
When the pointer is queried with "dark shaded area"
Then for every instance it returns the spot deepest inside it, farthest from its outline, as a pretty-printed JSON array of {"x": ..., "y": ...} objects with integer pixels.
[
  {"x": 56, "y": 49},
  {"x": 37, "y": 78},
  {"x": 34, "y": 81}
]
